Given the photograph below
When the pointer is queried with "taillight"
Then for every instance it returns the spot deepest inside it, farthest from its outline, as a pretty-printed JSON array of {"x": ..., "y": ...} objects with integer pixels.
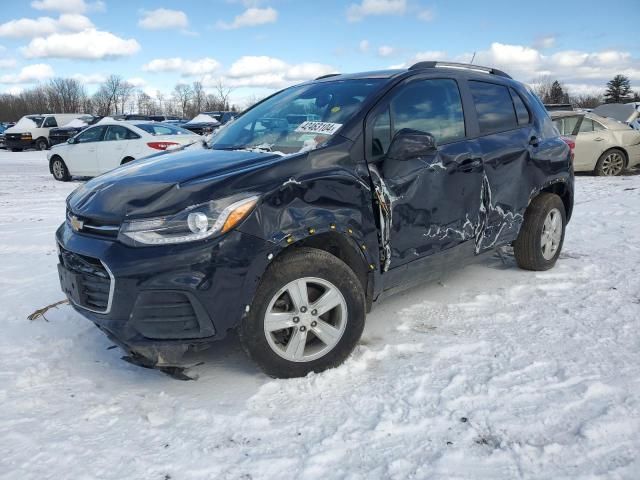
[
  {"x": 572, "y": 146},
  {"x": 161, "y": 145}
]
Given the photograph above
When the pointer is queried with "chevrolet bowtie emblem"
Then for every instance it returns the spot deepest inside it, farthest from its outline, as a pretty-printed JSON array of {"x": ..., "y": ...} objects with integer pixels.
[{"x": 76, "y": 223}]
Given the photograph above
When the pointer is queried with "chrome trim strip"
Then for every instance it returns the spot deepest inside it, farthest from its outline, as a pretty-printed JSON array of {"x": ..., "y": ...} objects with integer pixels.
[{"x": 112, "y": 287}]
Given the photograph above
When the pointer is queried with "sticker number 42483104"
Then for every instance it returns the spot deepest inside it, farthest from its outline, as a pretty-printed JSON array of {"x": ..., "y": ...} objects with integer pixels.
[{"x": 326, "y": 128}]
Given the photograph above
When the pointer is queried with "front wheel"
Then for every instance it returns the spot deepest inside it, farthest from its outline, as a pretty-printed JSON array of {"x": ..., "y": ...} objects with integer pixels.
[
  {"x": 59, "y": 170},
  {"x": 42, "y": 144},
  {"x": 541, "y": 236},
  {"x": 307, "y": 315}
]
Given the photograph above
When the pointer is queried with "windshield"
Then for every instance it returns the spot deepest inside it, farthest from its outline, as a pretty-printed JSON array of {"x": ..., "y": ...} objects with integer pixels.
[
  {"x": 299, "y": 117},
  {"x": 36, "y": 119}
]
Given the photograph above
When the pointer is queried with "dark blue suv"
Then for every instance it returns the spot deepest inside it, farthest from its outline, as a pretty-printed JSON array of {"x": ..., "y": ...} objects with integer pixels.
[{"x": 310, "y": 207}]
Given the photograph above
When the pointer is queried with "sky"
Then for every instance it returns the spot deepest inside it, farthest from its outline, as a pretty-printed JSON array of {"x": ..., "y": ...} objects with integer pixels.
[{"x": 258, "y": 46}]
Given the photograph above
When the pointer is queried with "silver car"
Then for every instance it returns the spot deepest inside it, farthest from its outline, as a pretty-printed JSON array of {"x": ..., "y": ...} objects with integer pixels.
[{"x": 603, "y": 145}]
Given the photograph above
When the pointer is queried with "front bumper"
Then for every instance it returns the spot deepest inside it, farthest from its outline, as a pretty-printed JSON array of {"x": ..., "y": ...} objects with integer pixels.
[
  {"x": 156, "y": 302},
  {"x": 20, "y": 143}
]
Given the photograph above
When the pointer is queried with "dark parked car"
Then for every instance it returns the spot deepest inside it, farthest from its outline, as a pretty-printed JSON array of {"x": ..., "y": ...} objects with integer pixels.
[
  {"x": 290, "y": 233},
  {"x": 131, "y": 116},
  {"x": 166, "y": 118},
  {"x": 202, "y": 124},
  {"x": 222, "y": 116},
  {"x": 64, "y": 133},
  {"x": 2, "y": 142}
]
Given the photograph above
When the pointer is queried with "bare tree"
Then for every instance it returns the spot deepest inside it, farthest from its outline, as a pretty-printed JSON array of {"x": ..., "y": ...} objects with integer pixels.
[
  {"x": 223, "y": 92},
  {"x": 199, "y": 98},
  {"x": 123, "y": 95},
  {"x": 586, "y": 100},
  {"x": 107, "y": 95},
  {"x": 65, "y": 95},
  {"x": 183, "y": 94}
]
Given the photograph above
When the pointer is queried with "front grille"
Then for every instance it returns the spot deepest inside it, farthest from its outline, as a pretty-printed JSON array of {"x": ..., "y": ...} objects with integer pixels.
[
  {"x": 13, "y": 136},
  {"x": 94, "y": 280},
  {"x": 94, "y": 227},
  {"x": 165, "y": 314},
  {"x": 55, "y": 139}
]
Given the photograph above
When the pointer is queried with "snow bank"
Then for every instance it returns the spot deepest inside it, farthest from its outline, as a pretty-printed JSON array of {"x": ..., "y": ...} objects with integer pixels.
[
  {"x": 76, "y": 123},
  {"x": 202, "y": 118},
  {"x": 23, "y": 125}
]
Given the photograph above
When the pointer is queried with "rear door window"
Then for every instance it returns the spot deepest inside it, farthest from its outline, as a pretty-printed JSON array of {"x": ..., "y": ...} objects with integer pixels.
[
  {"x": 94, "y": 134},
  {"x": 522, "y": 113},
  {"x": 494, "y": 107},
  {"x": 116, "y": 132}
]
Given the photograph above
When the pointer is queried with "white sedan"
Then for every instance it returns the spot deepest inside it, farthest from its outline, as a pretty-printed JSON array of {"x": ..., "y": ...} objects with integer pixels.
[{"x": 109, "y": 144}]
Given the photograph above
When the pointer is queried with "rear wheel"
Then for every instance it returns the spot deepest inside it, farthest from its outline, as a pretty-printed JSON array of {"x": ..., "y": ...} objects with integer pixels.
[
  {"x": 541, "y": 236},
  {"x": 307, "y": 315},
  {"x": 611, "y": 163},
  {"x": 59, "y": 170}
]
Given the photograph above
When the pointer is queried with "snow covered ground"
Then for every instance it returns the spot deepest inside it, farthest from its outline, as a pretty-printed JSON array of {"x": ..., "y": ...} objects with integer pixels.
[{"x": 493, "y": 373}]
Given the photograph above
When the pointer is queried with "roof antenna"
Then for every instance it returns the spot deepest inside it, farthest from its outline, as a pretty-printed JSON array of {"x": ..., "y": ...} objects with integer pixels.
[{"x": 472, "y": 58}]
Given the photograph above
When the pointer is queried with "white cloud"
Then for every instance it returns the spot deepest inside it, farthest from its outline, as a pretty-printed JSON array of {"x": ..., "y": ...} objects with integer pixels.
[
  {"x": 185, "y": 67},
  {"x": 422, "y": 57},
  {"x": 357, "y": 11},
  {"x": 29, "y": 74},
  {"x": 68, "y": 6},
  {"x": 427, "y": 15},
  {"x": 251, "y": 17},
  {"x": 385, "y": 51},
  {"x": 7, "y": 62},
  {"x": 29, "y": 27},
  {"x": 547, "y": 41},
  {"x": 92, "y": 78},
  {"x": 364, "y": 46},
  {"x": 137, "y": 82},
  {"x": 270, "y": 72},
  {"x": 89, "y": 44},
  {"x": 250, "y": 65},
  {"x": 162, "y": 19}
]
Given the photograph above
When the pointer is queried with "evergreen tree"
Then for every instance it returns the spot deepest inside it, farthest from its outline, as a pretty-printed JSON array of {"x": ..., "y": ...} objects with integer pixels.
[
  {"x": 618, "y": 90},
  {"x": 557, "y": 94}
]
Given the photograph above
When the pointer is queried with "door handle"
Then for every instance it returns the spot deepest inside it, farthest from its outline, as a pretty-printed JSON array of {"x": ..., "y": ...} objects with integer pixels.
[
  {"x": 469, "y": 164},
  {"x": 599, "y": 139}
]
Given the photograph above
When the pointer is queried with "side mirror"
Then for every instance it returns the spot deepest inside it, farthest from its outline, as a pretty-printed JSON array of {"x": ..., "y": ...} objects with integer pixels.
[
  {"x": 408, "y": 144},
  {"x": 71, "y": 141}
]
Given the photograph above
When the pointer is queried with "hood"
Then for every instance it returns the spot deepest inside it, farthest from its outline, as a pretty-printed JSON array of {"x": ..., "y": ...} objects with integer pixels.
[{"x": 165, "y": 184}]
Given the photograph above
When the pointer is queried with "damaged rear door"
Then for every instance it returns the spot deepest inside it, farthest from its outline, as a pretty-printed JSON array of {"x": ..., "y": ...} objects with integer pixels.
[{"x": 430, "y": 204}]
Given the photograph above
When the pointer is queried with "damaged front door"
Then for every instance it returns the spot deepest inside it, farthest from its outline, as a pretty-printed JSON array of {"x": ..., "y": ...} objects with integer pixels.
[{"x": 430, "y": 200}]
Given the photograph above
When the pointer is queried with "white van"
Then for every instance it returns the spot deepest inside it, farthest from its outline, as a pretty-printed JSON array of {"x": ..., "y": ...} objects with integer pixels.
[{"x": 32, "y": 131}]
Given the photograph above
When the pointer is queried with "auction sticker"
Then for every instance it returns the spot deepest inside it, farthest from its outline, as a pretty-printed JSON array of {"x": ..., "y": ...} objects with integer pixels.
[{"x": 325, "y": 128}]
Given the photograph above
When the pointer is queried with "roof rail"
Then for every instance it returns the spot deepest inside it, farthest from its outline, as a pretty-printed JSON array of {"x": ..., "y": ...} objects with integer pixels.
[
  {"x": 327, "y": 76},
  {"x": 466, "y": 66}
]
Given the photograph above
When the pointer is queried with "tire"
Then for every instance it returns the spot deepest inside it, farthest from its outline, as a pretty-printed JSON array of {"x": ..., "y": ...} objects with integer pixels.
[
  {"x": 341, "y": 326},
  {"x": 16, "y": 149},
  {"x": 539, "y": 243},
  {"x": 59, "y": 169},
  {"x": 42, "y": 144},
  {"x": 611, "y": 163},
  {"x": 127, "y": 160}
]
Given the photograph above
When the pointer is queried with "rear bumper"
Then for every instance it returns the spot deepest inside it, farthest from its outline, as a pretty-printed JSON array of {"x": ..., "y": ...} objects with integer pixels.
[
  {"x": 164, "y": 300},
  {"x": 633, "y": 151}
]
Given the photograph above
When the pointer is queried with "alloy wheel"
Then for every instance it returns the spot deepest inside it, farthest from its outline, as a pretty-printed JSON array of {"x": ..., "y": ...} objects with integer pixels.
[
  {"x": 612, "y": 164},
  {"x": 551, "y": 234},
  {"x": 58, "y": 169},
  {"x": 305, "y": 319}
]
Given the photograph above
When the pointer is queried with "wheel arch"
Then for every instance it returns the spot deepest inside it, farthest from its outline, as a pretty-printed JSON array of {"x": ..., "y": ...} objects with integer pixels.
[
  {"x": 127, "y": 159},
  {"x": 344, "y": 248},
  {"x": 52, "y": 159},
  {"x": 565, "y": 193}
]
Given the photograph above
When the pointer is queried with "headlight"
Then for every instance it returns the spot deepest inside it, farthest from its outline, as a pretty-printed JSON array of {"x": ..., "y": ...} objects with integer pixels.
[{"x": 194, "y": 223}]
